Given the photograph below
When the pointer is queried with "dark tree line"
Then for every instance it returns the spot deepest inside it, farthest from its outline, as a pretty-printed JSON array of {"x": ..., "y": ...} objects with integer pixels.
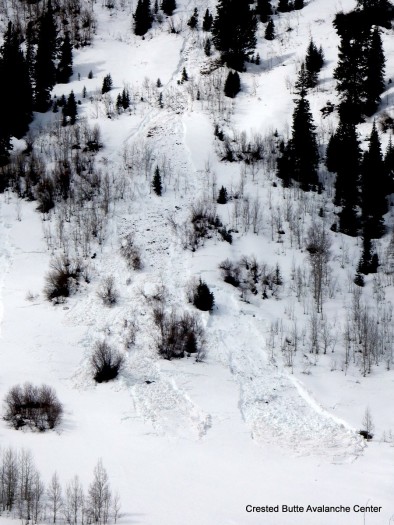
[
  {"x": 361, "y": 65},
  {"x": 233, "y": 32},
  {"x": 31, "y": 75},
  {"x": 363, "y": 181}
]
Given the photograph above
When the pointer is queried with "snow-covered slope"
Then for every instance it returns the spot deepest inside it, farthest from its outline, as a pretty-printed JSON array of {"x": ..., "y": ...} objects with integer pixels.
[{"x": 190, "y": 442}]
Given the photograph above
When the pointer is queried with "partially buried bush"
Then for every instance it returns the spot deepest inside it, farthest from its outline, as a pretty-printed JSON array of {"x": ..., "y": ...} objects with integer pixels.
[
  {"x": 179, "y": 334},
  {"x": 63, "y": 278},
  {"x": 106, "y": 362},
  {"x": 33, "y": 406}
]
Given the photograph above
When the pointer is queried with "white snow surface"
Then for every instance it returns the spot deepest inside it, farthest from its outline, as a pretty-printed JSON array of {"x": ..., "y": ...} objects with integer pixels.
[{"x": 200, "y": 440}]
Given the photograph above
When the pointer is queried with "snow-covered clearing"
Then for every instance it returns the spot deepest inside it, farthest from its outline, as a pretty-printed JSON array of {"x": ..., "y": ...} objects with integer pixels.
[{"x": 186, "y": 442}]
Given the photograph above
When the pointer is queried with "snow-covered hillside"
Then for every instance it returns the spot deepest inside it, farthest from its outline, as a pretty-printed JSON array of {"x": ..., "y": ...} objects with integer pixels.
[{"x": 250, "y": 423}]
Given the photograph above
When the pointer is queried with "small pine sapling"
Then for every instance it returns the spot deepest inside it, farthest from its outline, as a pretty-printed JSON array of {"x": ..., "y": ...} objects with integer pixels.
[
  {"x": 156, "y": 183},
  {"x": 203, "y": 298},
  {"x": 222, "y": 197}
]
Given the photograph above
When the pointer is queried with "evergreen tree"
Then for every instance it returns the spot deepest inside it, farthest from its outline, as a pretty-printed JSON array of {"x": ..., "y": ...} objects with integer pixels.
[
  {"x": 15, "y": 88},
  {"x": 332, "y": 159},
  {"x": 303, "y": 148},
  {"x": 45, "y": 70},
  {"x": 346, "y": 151},
  {"x": 377, "y": 12},
  {"x": 373, "y": 188},
  {"x": 314, "y": 61},
  {"x": 270, "y": 30},
  {"x": 283, "y": 6},
  {"x": 142, "y": 17},
  {"x": 70, "y": 110},
  {"x": 30, "y": 50},
  {"x": 285, "y": 164},
  {"x": 185, "y": 76},
  {"x": 374, "y": 82},
  {"x": 232, "y": 85},
  {"x": 193, "y": 20},
  {"x": 107, "y": 84},
  {"x": 298, "y": 4},
  {"x": 222, "y": 197},
  {"x": 156, "y": 183},
  {"x": 264, "y": 10},
  {"x": 65, "y": 66},
  {"x": 168, "y": 6},
  {"x": 125, "y": 99},
  {"x": 203, "y": 298},
  {"x": 389, "y": 167},
  {"x": 369, "y": 261},
  {"x": 303, "y": 82},
  {"x": 234, "y": 31},
  {"x": 350, "y": 72},
  {"x": 207, "y": 47},
  {"x": 207, "y": 21},
  {"x": 5, "y": 144}
]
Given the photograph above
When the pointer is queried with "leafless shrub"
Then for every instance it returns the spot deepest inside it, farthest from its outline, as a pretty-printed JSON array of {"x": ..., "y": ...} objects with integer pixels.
[
  {"x": 63, "y": 278},
  {"x": 33, "y": 406},
  {"x": 130, "y": 332},
  {"x": 108, "y": 292},
  {"x": 252, "y": 277},
  {"x": 179, "y": 334},
  {"x": 130, "y": 252},
  {"x": 106, "y": 362}
]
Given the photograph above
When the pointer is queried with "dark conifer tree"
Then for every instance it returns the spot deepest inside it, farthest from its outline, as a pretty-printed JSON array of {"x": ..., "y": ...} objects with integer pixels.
[
  {"x": 270, "y": 30},
  {"x": 207, "y": 21},
  {"x": 264, "y": 10},
  {"x": 375, "y": 67},
  {"x": 285, "y": 165},
  {"x": 168, "y": 6},
  {"x": 70, "y": 110},
  {"x": 65, "y": 66},
  {"x": 314, "y": 61},
  {"x": 207, "y": 47},
  {"x": 350, "y": 72},
  {"x": 303, "y": 148},
  {"x": 125, "y": 99},
  {"x": 283, "y": 6},
  {"x": 377, "y": 12},
  {"x": 107, "y": 84},
  {"x": 185, "y": 76},
  {"x": 222, "y": 197},
  {"x": 142, "y": 17},
  {"x": 298, "y": 4},
  {"x": 203, "y": 298},
  {"x": 234, "y": 31},
  {"x": 303, "y": 82},
  {"x": 45, "y": 70},
  {"x": 193, "y": 20},
  {"x": 30, "y": 49},
  {"x": 332, "y": 159},
  {"x": 373, "y": 188},
  {"x": 232, "y": 85},
  {"x": 15, "y": 90},
  {"x": 156, "y": 183},
  {"x": 369, "y": 261},
  {"x": 389, "y": 167},
  {"x": 345, "y": 149}
]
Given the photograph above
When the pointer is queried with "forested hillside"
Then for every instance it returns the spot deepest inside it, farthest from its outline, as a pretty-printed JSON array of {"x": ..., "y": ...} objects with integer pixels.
[{"x": 196, "y": 261}]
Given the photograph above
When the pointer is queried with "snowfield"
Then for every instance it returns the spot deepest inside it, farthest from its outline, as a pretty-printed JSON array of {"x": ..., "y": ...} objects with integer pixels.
[{"x": 188, "y": 442}]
